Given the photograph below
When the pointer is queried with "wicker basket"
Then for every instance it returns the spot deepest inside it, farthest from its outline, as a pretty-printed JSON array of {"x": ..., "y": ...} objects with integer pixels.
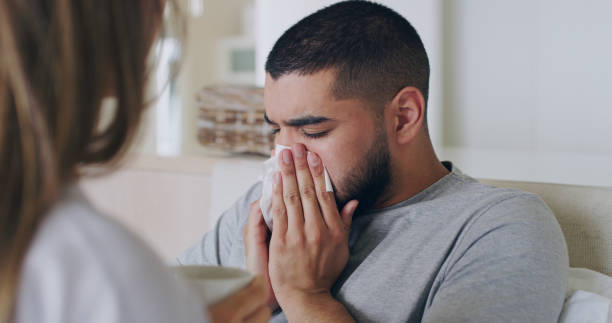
[{"x": 231, "y": 118}]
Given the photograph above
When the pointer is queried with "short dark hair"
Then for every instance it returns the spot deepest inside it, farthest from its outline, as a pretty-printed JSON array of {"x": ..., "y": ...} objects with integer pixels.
[{"x": 374, "y": 51}]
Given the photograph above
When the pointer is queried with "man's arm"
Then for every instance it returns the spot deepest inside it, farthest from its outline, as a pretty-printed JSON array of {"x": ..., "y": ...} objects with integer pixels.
[
  {"x": 510, "y": 265},
  {"x": 316, "y": 308}
]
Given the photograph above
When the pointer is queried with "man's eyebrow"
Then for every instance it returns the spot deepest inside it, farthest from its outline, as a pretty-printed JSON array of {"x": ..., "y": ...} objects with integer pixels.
[
  {"x": 306, "y": 120},
  {"x": 301, "y": 121}
]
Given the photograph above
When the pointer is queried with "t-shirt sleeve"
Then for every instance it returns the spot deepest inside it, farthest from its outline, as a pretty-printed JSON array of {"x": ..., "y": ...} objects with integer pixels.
[
  {"x": 217, "y": 245},
  {"x": 509, "y": 265}
]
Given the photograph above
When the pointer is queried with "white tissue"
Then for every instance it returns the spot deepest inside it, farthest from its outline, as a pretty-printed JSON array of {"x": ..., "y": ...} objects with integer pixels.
[{"x": 270, "y": 167}]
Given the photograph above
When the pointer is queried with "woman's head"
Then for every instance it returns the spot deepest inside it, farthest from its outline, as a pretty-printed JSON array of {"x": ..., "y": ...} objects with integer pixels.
[{"x": 58, "y": 61}]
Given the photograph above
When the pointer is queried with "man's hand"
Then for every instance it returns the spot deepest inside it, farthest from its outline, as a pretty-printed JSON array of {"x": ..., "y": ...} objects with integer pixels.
[
  {"x": 309, "y": 244},
  {"x": 255, "y": 235}
]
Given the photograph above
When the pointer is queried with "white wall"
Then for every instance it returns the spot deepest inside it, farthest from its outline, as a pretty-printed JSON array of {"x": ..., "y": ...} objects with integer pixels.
[
  {"x": 531, "y": 80},
  {"x": 528, "y": 74},
  {"x": 273, "y": 17}
]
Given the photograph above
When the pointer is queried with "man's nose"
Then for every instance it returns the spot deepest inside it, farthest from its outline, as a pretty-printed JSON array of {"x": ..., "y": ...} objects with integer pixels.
[
  {"x": 285, "y": 138},
  {"x": 288, "y": 140}
]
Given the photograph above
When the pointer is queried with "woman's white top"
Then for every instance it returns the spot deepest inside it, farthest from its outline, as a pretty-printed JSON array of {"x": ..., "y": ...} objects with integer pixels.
[{"x": 83, "y": 267}]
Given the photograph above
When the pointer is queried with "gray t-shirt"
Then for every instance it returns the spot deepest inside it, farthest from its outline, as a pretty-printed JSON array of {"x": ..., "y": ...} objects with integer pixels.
[{"x": 459, "y": 251}]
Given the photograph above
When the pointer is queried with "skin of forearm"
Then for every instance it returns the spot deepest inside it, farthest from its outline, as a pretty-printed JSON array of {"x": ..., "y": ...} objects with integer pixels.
[{"x": 320, "y": 307}]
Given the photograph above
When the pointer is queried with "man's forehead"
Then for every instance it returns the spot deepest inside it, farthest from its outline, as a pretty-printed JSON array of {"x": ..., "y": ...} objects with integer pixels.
[
  {"x": 309, "y": 88},
  {"x": 296, "y": 96},
  {"x": 294, "y": 101}
]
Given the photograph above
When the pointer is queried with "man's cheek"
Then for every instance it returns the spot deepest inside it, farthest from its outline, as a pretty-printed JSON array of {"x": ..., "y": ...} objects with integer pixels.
[{"x": 339, "y": 184}]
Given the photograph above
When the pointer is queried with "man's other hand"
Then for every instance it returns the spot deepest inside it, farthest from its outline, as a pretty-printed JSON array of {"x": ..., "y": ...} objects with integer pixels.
[{"x": 255, "y": 235}]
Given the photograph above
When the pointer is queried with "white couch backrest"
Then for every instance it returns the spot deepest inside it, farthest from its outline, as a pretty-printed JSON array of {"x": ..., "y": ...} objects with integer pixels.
[{"x": 585, "y": 216}]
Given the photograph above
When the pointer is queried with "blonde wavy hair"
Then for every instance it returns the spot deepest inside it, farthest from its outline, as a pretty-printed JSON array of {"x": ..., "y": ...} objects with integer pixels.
[{"x": 58, "y": 60}]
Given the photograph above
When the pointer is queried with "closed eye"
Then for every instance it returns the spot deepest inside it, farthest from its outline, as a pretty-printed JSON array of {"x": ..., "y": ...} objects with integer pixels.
[{"x": 315, "y": 135}]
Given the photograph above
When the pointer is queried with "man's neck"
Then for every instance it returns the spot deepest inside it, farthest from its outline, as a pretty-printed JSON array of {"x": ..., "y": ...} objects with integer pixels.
[{"x": 413, "y": 171}]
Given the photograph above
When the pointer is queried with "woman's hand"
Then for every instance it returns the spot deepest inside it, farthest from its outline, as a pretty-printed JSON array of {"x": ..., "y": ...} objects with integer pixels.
[{"x": 247, "y": 305}]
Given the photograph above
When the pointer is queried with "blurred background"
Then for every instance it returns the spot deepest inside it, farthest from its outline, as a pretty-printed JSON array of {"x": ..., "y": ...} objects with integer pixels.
[{"x": 520, "y": 90}]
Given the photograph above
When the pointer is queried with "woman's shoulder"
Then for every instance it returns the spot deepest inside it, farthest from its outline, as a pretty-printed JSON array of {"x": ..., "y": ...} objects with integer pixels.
[
  {"x": 84, "y": 266},
  {"x": 78, "y": 234}
]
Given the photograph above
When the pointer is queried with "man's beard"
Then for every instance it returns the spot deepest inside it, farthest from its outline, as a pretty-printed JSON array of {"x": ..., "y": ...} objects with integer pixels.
[{"x": 370, "y": 181}]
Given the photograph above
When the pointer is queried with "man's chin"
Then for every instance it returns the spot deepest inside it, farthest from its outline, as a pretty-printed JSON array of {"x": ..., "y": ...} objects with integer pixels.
[
  {"x": 364, "y": 203},
  {"x": 341, "y": 201}
]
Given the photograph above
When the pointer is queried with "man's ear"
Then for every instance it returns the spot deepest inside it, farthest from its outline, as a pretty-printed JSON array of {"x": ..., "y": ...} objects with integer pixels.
[{"x": 408, "y": 113}]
